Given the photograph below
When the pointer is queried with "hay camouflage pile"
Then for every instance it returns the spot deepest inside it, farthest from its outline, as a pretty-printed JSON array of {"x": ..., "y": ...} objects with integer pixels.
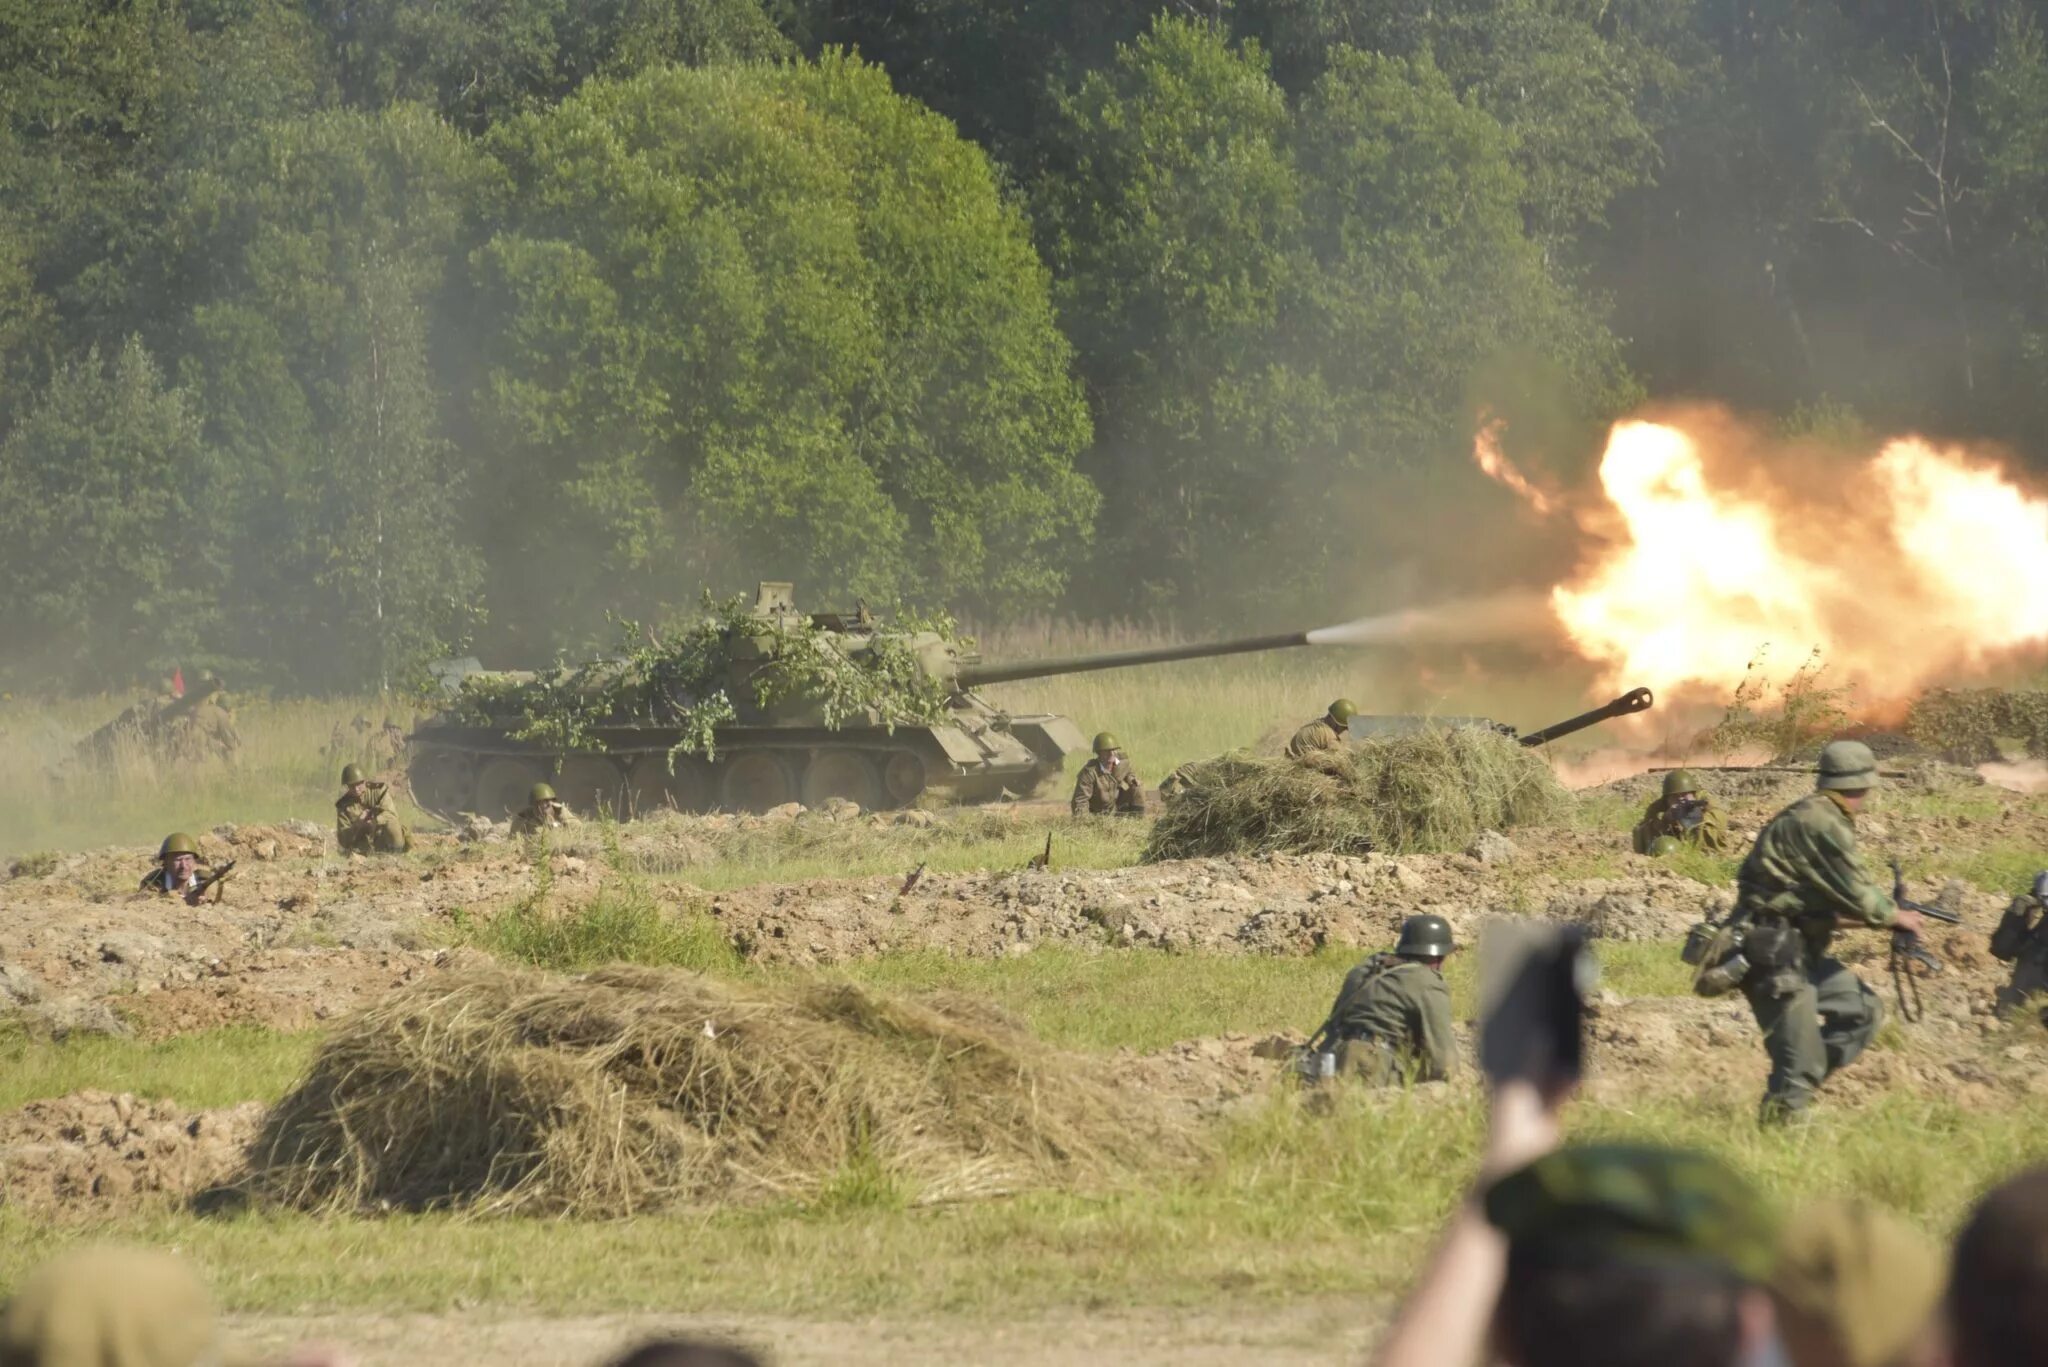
[
  {"x": 1427, "y": 792},
  {"x": 630, "y": 1089},
  {"x": 1980, "y": 725}
]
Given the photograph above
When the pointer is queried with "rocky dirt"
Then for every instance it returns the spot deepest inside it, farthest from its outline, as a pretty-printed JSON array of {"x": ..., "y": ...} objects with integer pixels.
[{"x": 101, "y": 1151}]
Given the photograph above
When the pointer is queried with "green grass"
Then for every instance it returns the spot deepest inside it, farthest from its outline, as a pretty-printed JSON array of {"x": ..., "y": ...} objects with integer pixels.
[
  {"x": 211, "y": 1068},
  {"x": 621, "y": 923}
]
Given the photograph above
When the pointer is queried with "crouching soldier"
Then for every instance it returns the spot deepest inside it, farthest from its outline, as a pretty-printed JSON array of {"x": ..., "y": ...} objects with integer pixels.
[
  {"x": 364, "y": 819},
  {"x": 1108, "y": 783},
  {"x": 178, "y": 872},
  {"x": 1682, "y": 816},
  {"x": 1392, "y": 1018},
  {"x": 2022, "y": 941},
  {"x": 1324, "y": 736},
  {"x": 543, "y": 812}
]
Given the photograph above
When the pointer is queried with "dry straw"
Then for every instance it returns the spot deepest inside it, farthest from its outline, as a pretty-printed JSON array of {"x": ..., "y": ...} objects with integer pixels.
[
  {"x": 634, "y": 1088},
  {"x": 1433, "y": 789}
]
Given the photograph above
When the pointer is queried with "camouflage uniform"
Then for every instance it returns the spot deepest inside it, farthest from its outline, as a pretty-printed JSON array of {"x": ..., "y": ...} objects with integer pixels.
[
  {"x": 535, "y": 817},
  {"x": 368, "y": 823},
  {"x": 1803, "y": 873},
  {"x": 1392, "y": 1023},
  {"x": 2022, "y": 941},
  {"x": 1101, "y": 789},
  {"x": 1659, "y": 821}
]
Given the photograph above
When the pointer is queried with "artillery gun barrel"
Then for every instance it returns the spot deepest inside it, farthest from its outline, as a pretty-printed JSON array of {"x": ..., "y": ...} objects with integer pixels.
[
  {"x": 975, "y": 676},
  {"x": 1636, "y": 700}
]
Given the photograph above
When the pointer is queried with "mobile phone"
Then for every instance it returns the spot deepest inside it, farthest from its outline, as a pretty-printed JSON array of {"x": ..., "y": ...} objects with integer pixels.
[{"x": 1534, "y": 980}]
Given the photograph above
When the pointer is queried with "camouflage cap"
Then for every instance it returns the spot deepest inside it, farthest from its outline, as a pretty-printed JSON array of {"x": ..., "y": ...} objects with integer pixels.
[
  {"x": 1636, "y": 1202},
  {"x": 1858, "y": 1276},
  {"x": 109, "y": 1307},
  {"x": 1847, "y": 765}
]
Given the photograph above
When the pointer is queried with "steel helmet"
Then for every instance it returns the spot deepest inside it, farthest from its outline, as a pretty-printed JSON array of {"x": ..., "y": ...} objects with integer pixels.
[
  {"x": 177, "y": 842},
  {"x": 1106, "y": 741},
  {"x": 541, "y": 793},
  {"x": 1663, "y": 845},
  {"x": 351, "y": 774},
  {"x": 1848, "y": 766},
  {"x": 1342, "y": 711},
  {"x": 1425, "y": 937},
  {"x": 1680, "y": 781}
]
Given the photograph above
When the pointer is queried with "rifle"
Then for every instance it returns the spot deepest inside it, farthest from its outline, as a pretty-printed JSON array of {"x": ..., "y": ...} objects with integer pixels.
[
  {"x": 1042, "y": 860},
  {"x": 1689, "y": 815},
  {"x": 910, "y": 883},
  {"x": 1909, "y": 953},
  {"x": 213, "y": 880}
]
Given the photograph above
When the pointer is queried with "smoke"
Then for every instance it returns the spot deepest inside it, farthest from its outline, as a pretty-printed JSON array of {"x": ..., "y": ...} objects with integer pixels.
[
  {"x": 2029, "y": 776},
  {"x": 1516, "y": 615}
]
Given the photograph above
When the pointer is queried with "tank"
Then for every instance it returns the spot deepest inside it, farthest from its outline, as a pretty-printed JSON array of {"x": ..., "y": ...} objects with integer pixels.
[{"x": 785, "y": 752}]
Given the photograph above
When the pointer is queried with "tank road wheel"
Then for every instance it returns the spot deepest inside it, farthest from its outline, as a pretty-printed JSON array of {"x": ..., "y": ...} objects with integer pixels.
[
  {"x": 502, "y": 786},
  {"x": 843, "y": 773},
  {"x": 440, "y": 781},
  {"x": 650, "y": 786},
  {"x": 903, "y": 778},
  {"x": 755, "y": 783},
  {"x": 591, "y": 784}
]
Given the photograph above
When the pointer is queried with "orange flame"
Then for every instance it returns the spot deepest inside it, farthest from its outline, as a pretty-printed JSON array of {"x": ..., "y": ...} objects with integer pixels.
[
  {"x": 1899, "y": 569},
  {"x": 1491, "y": 459}
]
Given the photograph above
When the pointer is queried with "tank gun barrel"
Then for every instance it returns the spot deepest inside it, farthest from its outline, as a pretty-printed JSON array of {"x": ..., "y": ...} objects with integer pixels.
[
  {"x": 1635, "y": 700},
  {"x": 975, "y": 676}
]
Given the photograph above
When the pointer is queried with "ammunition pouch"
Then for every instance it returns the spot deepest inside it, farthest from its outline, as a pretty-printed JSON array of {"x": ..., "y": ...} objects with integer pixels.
[
  {"x": 2017, "y": 929},
  {"x": 1774, "y": 944},
  {"x": 1714, "y": 950}
]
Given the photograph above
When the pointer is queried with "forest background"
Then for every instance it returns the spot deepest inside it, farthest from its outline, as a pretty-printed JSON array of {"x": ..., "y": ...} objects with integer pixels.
[{"x": 339, "y": 334}]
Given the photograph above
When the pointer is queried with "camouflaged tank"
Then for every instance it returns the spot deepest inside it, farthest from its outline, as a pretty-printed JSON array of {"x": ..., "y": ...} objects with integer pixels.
[{"x": 468, "y": 760}]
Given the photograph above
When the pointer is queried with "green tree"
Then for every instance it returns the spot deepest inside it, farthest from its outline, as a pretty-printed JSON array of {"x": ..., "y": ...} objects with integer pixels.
[
  {"x": 773, "y": 321},
  {"x": 107, "y": 541}
]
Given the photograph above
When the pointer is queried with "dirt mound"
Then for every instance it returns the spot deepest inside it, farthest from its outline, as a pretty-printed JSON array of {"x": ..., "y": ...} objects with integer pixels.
[
  {"x": 629, "y": 1089},
  {"x": 1431, "y": 791},
  {"x": 98, "y": 1148}
]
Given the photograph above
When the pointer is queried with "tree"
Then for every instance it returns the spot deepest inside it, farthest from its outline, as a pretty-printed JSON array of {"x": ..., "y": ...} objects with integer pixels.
[{"x": 107, "y": 539}]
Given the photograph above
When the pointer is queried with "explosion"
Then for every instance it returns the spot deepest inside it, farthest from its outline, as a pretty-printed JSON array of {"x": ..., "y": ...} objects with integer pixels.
[{"x": 1713, "y": 548}]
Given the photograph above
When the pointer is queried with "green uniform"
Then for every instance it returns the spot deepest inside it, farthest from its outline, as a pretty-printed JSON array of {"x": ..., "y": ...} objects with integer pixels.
[
  {"x": 1659, "y": 820},
  {"x": 536, "y": 817},
  {"x": 369, "y": 823},
  {"x": 1803, "y": 873},
  {"x": 2022, "y": 940},
  {"x": 1392, "y": 1022},
  {"x": 1318, "y": 738},
  {"x": 1111, "y": 787}
]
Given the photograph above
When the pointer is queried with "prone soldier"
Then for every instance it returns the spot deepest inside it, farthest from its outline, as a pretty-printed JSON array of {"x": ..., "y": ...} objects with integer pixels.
[
  {"x": 1391, "y": 1021},
  {"x": 543, "y": 811},
  {"x": 2022, "y": 941},
  {"x": 1108, "y": 783},
  {"x": 179, "y": 874},
  {"x": 1325, "y": 735},
  {"x": 1682, "y": 816},
  {"x": 364, "y": 819}
]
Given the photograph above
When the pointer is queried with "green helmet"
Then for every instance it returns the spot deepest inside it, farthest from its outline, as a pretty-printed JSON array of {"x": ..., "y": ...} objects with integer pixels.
[
  {"x": 1848, "y": 766},
  {"x": 1424, "y": 937},
  {"x": 351, "y": 774},
  {"x": 1680, "y": 781},
  {"x": 177, "y": 842},
  {"x": 1663, "y": 845},
  {"x": 1342, "y": 711},
  {"x": 541, "y": 793},
  {"x": 1106, "y": 741}
]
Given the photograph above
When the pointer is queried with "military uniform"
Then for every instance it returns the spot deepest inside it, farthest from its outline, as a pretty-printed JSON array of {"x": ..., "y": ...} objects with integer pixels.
[
  {"x": 368, "y": 823},
  {"x": 1392, "y": 1022},
  {"x": 544, "y": 815},
  {"x": 1317, "y": 738},
  {"x": 167, "y": 884},
  {"x": 1660, "y": 821},
  {"x": 2022, "y": 941},
  {"x": 1816, "y": 1016},
  {"x": 1108, "y": 783}
]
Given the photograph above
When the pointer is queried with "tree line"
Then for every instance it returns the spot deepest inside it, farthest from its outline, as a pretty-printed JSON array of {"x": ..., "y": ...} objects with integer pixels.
[{"x": 336, "y": 334}]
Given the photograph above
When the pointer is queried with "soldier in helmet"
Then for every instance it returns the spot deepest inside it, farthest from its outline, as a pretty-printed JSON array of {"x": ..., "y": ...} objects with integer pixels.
[
  {"x": 1392, "y": 1018},
  {"x": 1682, "y": 816},
  {"x": 1802, "y": 881},
  {"x": 364, "y": 817},
  {"x": 1108, "y": 783},
  {"x": 1325, "y": 735},
  {"x": 543, "y": 812},
  {"x": 178, "y": 872},
  {"x": 2022, "y": 941}
]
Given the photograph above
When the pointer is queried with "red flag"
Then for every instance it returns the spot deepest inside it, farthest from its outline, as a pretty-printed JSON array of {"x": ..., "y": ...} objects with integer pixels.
[{"x": 177, "y": 681}]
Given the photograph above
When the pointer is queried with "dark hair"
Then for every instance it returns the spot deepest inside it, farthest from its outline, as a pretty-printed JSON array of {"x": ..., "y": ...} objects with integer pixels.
[
  {"x": 1608, "y": 1312},
  {"x": 1998, "y": 1283},
  {"x": 687, "y": 1353}
]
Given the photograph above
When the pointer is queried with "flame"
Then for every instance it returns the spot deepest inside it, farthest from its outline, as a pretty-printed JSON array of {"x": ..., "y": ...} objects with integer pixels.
[
  {"x": 1494, "y": 462},
  {"x": 1898, "y": 568}
]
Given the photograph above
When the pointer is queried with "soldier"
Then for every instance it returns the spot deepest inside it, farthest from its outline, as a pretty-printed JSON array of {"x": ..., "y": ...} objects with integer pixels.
[
  {"x": 2022, "y": 941},
  {"x": 178, "y": 873},
  {"x": 1108, "y": 783},
  {"x": 1324, "y": 735},
  {"x": 543, "y": 811},
  {"x": 1683, "y": 816},
  {"x": 1802, "y": 880},
  {"x": 1392, "y": 1017},
  {"x": 364, "y": 819}
]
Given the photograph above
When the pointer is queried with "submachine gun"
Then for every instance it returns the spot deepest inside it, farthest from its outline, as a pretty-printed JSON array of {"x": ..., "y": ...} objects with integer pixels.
[{"x": 1911, "y": 960}]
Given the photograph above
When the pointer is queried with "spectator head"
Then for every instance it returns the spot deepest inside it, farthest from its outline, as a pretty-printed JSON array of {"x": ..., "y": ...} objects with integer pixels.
[
  {"x": 687, "y": 1353},
  {"x": 1998, "y": 1281},
  {"x": 1856, "y": 1286},
  {"x": 1621, "y": 1255},
  {"x": 109, "y": 1307}
]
